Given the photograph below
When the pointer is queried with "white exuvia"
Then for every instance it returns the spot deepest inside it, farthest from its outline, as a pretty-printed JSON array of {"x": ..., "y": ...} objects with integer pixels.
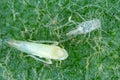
[
  {"x": 85, "y": 27},
  {"x": 36, "y": 50}
]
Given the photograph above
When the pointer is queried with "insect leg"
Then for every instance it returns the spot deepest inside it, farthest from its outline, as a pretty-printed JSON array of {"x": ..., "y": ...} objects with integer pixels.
[{"x": 48, "y": 61}]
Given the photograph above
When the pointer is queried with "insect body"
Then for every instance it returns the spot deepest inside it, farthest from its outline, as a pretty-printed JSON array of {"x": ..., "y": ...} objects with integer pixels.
[{"x": 40, "y": 50}]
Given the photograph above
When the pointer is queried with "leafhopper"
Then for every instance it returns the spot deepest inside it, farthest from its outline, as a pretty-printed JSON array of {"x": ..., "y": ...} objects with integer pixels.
[
  {"x": 85, "y": 27},
  {"x": 38, "y": 50}
]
